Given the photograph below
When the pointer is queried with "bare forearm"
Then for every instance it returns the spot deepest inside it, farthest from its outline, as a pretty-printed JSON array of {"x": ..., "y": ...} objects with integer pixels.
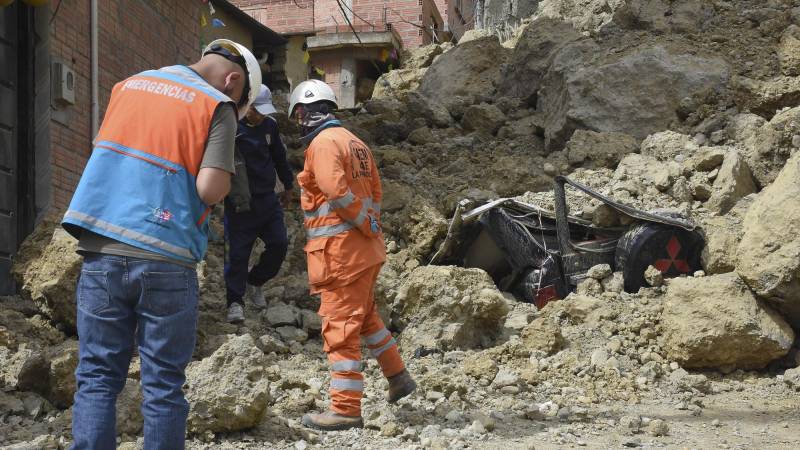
[{"x": 213, "y": 185}]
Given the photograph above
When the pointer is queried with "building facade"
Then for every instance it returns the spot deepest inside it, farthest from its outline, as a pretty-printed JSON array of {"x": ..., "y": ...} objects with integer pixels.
[
  {"x": 347, "y": 43},
  {"x": 54, "y": 90}
]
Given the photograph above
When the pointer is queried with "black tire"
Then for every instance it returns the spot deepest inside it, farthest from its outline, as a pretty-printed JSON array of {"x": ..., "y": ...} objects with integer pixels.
[{"x": 672, "y": 250}]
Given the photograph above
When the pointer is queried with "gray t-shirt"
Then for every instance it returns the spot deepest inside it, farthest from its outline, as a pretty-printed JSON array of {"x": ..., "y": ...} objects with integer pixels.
[{"x": 218, "y": 154}]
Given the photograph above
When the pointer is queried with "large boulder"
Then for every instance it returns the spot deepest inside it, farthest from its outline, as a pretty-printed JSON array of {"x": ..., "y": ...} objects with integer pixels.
[
  {"x": 484, "y": 118},
  {"x": 420, "y": 57},
  {"x": 768, "y": 257},
  {"x": 636, "y": 92},
  {"x": 434, "y": 113},
  {"x": 593, "y": 149},
  {"x": 765, "y": 97},
  {"x": 667, "y": 145},
  {"x": 733, "y": 182},
  {"x": 722, "y": 236},
  {"x": 449, "y": 308},
  {"x": 63, "y": 361},
  {"x": 764, "y": 145},
  {"x": 716, "y": 321},
  {"x": 397, "y": 83},
  {"x": 469, "y": 70},
  {"x": 24, "y": 370},
  {"x": 592, "y": 16},
  {"x": 789, "y": 51},
  {"x": 47, "y": 269},
  {"x": 532, "y": 56},
  {"x": 229, "y": 390}
]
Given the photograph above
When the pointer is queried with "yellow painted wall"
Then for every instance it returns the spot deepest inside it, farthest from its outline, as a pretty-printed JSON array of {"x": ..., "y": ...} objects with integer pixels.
[
  {"x": 232, "y": 30},
  {"x": 296, "y": 70}
]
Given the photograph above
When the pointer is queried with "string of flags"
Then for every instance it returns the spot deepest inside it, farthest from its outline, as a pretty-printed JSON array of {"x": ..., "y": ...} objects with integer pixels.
[{"x": 215, "y": 21}]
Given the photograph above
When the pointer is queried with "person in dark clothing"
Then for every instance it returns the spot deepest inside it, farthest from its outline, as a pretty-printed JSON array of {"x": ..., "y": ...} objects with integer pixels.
[{"x": 260, "y": 147}]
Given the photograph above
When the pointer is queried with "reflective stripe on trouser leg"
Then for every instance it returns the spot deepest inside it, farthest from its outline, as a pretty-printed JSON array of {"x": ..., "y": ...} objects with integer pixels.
[
  {"x": 343, "y": 344},
  {"x": 381, "y": 344},
  {"x": 347, "y": 385}
]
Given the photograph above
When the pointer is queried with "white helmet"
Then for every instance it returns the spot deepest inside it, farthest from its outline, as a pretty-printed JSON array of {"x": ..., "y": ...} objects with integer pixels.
[
  {"x": 239, "y": 54},
  {"x": 311, "y": 91}
]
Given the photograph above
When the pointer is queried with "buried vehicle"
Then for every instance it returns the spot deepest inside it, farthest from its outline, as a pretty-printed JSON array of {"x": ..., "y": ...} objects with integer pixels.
[{"x": 541, "y": 255}]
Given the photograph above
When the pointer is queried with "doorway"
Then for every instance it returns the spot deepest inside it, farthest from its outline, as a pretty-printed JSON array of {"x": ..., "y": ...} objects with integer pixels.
[{"x": 17, "y": 136}]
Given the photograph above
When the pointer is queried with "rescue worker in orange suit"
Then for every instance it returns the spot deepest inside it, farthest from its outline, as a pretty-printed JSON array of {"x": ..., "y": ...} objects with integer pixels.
[{"x": 340, "y": 198}]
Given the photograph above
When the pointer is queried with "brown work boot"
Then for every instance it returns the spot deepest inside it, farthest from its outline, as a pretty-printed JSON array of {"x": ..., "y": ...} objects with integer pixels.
[
  {"x": 400, "y": 385},
  {"x": 331, "y": 421}
]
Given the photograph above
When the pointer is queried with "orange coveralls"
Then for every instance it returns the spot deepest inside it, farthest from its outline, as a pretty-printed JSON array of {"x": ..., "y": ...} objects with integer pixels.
[{"x": 340, "y": 198}]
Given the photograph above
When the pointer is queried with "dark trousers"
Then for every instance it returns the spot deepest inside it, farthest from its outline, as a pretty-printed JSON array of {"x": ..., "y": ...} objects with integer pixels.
[{"x": 263, "y": 221}]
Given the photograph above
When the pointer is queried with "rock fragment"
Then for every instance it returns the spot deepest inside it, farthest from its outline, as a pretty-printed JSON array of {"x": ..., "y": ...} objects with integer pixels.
[
  {"x": 716, "y": 321},
  {"x": 228, "y": 391}
]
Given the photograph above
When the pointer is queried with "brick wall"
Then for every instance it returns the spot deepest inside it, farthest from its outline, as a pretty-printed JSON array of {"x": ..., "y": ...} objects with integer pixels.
[
  {"x": 134, "y": 35},
  {"x": 283, "y": 16},
  {"x": 325, "y": 16}
]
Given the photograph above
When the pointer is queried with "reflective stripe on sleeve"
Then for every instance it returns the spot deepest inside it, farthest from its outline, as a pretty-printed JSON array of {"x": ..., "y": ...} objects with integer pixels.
[
  {"x": 328, "y": 207},
  {"x": 343, "y": 201},
  {"x": 328, "y": 231}
]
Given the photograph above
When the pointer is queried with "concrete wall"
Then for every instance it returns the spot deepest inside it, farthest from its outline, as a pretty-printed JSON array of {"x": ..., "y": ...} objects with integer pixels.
[
  {"x": 461, "y": 16},
  {"x": 499, "y": 15},
  {"x": 502, "y": 14},
  {"x": 135, "y": 35}
]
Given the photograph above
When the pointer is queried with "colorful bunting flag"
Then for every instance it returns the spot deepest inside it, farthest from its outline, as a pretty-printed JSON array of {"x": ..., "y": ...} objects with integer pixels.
[
  {"x": 216, "y": 23},
  {"x": 203, "y": 21},
  {"x": 306, "y": 57}
]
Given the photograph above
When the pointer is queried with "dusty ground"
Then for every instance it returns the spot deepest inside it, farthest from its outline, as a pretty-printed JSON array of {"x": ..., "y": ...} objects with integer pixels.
[{"x": 596, "y": 370}]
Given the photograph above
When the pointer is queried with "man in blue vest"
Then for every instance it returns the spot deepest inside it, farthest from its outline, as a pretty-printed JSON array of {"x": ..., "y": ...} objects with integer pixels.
[
  {"x": 259, "y": 145},
  {"x": 162, "y": 156}
]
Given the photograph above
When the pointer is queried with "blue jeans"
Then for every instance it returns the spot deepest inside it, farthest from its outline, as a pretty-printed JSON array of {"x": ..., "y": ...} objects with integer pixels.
[{"x": 122, "y": 301}]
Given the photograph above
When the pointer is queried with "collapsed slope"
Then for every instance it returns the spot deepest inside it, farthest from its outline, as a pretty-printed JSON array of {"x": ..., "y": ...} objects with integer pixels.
[{"x": 692, "y": 106}]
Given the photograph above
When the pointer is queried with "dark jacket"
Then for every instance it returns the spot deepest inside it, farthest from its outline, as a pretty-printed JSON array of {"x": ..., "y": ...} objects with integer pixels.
[{"x": 264, "y": 156}]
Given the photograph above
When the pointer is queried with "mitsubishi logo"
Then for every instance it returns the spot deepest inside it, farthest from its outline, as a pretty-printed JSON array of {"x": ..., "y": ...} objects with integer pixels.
[{"x": 673, "y": 249}]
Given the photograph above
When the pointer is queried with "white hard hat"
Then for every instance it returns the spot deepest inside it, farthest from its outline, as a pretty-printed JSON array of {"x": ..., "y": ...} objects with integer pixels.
[
  {"x": 239, "y": 54},
  {"x": 311, "y": 91},
  {"x": 263, "y": 103}
]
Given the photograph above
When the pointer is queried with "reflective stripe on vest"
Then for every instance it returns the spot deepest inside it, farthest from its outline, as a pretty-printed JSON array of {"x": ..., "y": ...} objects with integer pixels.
[
  {"x": 139, "y": 187},
  {"x": 135, "y": 235}
]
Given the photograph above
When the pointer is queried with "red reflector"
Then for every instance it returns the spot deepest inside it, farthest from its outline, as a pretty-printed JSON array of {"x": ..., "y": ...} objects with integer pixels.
[{"x": 545, "y": 295}]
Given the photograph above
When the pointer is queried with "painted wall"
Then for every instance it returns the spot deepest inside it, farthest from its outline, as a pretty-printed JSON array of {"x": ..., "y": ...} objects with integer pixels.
[{"x": 232, "y": 30}]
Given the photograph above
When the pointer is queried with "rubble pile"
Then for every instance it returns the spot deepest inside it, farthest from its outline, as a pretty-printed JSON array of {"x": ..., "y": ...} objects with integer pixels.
[{"x": 682, "y": 106}]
